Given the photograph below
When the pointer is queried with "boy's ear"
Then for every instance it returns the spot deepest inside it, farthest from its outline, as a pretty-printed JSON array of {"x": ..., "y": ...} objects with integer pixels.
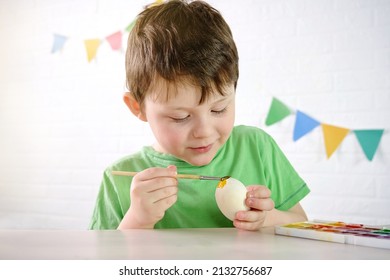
[{"x": 134, "y": 106}]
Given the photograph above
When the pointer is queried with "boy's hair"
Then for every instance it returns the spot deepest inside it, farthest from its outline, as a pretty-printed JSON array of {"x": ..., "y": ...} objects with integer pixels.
[{"x": 181, "y": 41}]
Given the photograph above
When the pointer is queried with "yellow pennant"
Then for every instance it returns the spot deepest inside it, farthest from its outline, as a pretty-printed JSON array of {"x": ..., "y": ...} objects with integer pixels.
[
  {"x": 91, "y": 46},
  {"x": 155, "y": 3},
  {"x": 333, "y": 136}
]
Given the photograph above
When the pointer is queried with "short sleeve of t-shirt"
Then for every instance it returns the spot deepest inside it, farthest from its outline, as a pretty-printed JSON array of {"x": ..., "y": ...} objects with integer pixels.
[{"x": 107, "y": 213}]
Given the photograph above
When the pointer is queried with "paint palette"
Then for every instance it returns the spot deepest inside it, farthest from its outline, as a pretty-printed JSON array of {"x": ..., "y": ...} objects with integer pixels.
[{"x": 339, "y": 232}]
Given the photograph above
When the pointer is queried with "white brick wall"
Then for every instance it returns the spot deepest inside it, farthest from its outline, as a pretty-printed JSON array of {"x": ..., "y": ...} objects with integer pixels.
[{"x": 62, "y": 119}]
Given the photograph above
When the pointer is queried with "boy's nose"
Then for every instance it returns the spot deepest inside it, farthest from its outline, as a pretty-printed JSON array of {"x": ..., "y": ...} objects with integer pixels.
[{"x": 202, "y": 128}]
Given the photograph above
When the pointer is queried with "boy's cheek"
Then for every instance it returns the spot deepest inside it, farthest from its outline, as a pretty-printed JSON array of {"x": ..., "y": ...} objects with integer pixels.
[{"x": 171, "y": 137}]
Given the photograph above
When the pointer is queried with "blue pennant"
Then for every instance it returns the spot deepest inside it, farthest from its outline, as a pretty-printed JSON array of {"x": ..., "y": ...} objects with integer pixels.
[
  {"x": 58, "y": 43},
  {"x": 303, "y": 125}
]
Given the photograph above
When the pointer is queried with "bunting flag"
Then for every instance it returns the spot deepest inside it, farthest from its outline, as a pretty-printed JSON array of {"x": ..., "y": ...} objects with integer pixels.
[
  {"x": 369, "y": 141},
  {"x": 333, "y": 136},
  {"x": 155, "y": 3},
  {"x": 303, "y": 125},
  {"x": 115, "y": 40},
  {"x": 91, "y": 47},
  {"x": 58, "y": 42},
  {"x": 277, "y": 112},
  {"x": 130, "y": 26}
]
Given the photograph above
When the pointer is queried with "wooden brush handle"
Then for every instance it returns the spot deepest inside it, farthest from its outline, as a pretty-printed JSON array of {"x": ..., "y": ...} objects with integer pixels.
[
  {"x": 188, "y": 176},
  {"x": 132, "y": 173}
]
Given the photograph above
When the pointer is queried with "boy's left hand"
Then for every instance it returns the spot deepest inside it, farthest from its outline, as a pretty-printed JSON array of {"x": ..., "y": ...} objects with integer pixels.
[{"x": 258, "y": 199}]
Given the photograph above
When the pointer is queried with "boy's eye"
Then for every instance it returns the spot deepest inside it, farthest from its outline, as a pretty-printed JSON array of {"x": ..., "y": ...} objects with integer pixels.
[
  {"x": 180, "y": 119},
  {"x": 219, "y": 111}
]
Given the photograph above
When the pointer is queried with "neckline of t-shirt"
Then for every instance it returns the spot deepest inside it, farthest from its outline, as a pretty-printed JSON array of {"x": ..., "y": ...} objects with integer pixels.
[
  {"x": 168, "y": 159},
  {"x": 163, "y": 158}
]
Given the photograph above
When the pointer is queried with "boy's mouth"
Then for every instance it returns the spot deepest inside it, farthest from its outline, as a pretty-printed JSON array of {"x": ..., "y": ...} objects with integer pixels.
[{"x": 202, "y": 149}]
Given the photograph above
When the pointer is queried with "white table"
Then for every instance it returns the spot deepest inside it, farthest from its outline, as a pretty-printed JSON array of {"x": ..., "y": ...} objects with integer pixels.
[{"x": 173, "y": 244}]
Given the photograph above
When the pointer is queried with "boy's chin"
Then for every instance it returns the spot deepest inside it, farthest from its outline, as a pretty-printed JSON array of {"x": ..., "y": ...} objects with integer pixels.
[{"x": 199, "y": 161}]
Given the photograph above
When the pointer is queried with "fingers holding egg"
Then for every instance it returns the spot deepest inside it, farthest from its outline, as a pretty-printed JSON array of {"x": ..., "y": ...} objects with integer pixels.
[
  {"x": 259, "y": 197},
  {"x": 258, "y": 191}
]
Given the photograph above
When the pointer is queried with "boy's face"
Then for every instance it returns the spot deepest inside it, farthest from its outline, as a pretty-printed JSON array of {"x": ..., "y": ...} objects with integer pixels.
[{"x": 186, "y": 129}]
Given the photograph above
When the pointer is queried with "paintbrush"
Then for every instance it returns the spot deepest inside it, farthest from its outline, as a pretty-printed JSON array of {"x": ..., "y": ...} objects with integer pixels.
[{"x": 181, "y": 176}]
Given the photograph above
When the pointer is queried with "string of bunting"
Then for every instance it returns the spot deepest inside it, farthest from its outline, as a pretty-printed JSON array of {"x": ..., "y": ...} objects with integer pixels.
[
  {"x": 333, "y": 135},
  {"x": 92, "y": 45}
]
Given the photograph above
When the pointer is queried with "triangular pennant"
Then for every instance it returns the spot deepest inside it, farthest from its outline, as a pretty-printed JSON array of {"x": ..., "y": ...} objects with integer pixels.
[
  {"x": 155, "y": 3},
  {"x": 369, "y": 140},
  {"x": 115, "y": 40},
  {"x": 277, "y": 112},
  {"x": 58, "y": 42},
  {"x": 303, "y": 125},
  {"x": 130, "y": 26},
  {"x": 333, "y": 136},
  {"x": 91, "y": 46}
]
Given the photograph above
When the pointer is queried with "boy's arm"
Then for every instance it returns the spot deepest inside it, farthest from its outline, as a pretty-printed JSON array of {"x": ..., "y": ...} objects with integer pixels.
[
  {"x": 262, "y": 211},
  {"x": 278, "y": 217}
]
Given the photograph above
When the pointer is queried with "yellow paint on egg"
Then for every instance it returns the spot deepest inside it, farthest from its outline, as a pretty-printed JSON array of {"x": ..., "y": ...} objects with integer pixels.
[{"x": 221, "y": 183}]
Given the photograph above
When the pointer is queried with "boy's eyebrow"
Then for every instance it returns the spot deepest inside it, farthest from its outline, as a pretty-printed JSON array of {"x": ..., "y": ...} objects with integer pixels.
[
  {"x": 174, "y": 107},
  {"x": 178, "y": 108},
  {"x": 224, "y": 98}
]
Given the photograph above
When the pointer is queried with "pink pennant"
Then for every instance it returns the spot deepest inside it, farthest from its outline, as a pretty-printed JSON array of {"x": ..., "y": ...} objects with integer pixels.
[{"x": 115, "y": 40}]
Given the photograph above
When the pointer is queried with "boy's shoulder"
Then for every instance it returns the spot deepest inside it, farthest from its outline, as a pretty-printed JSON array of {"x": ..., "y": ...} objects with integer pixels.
[
  {"x": 250, "y": 136},
  {"x": 127, "y": 162},
  {"x": 249, "y": 131}
]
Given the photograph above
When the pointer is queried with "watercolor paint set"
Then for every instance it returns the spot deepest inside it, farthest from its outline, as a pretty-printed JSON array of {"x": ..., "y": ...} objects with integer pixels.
[{"x": 340, "y": 232}]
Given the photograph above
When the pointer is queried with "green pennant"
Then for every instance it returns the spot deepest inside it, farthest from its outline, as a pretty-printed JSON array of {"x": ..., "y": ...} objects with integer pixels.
[
  {"x": 369, "y": 140},
  {"x": 277, "y": 112},
  {"x": 130, "y": 26}
]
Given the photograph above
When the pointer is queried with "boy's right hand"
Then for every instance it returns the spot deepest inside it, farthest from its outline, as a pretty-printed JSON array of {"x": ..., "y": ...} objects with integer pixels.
[{"x": 153, "y": 191}]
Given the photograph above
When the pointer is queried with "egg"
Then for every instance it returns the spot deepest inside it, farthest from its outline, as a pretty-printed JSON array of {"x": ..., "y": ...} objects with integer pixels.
[{"x": 230, "y": 196}]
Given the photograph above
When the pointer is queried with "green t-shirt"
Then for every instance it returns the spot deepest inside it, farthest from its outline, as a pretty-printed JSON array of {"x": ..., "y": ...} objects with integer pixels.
[{"x": 249, "y": 155}]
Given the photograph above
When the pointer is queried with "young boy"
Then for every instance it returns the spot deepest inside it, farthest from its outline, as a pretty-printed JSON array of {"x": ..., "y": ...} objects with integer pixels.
[{"x": 182, "y": 72}]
